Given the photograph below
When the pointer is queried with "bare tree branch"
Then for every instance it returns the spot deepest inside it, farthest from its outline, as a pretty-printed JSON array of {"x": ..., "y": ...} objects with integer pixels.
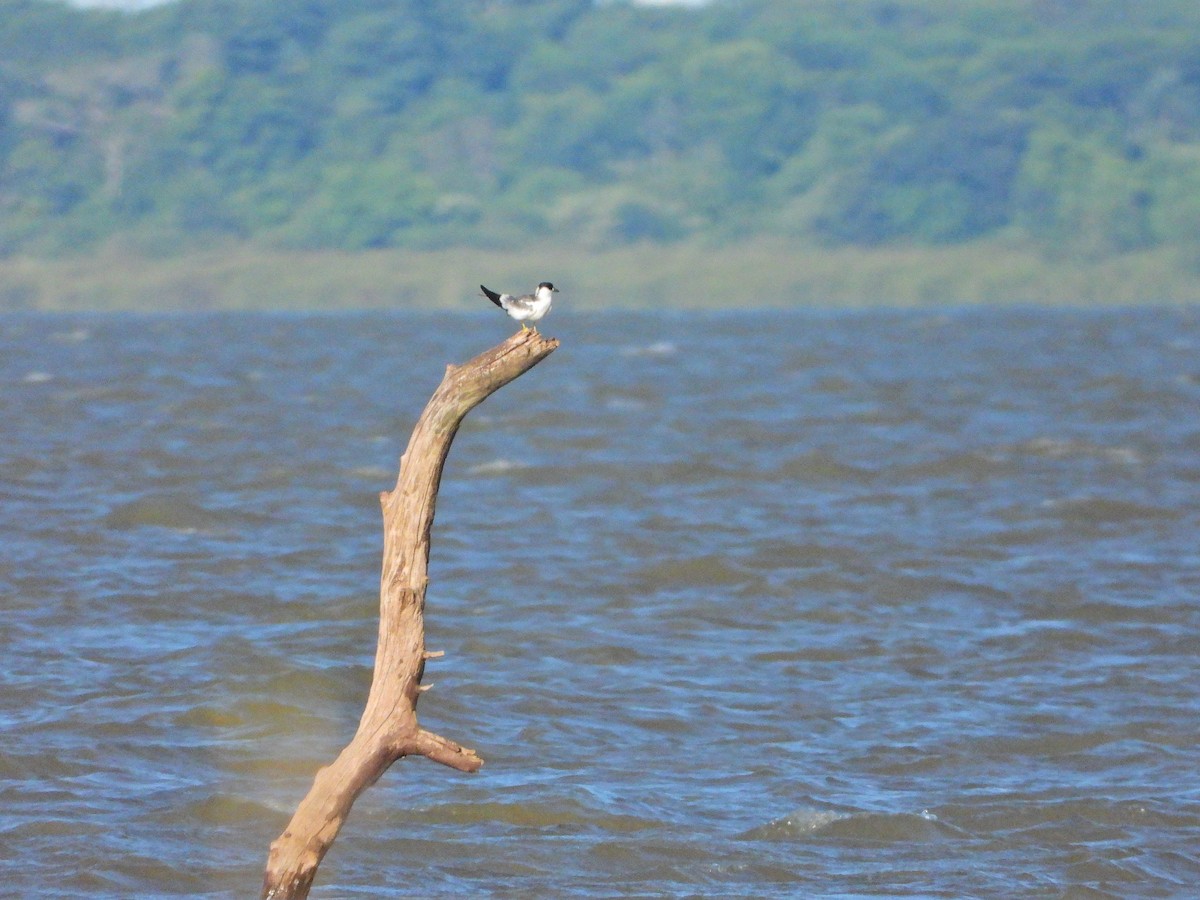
[{"x": 388, "y": 729}]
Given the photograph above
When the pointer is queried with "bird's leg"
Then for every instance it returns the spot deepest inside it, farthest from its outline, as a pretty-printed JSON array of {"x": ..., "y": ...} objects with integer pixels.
[{"x": 524, "y": 327}]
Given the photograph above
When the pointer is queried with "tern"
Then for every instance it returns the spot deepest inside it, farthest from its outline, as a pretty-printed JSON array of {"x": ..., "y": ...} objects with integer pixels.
[{"x": 527, "y": 307}]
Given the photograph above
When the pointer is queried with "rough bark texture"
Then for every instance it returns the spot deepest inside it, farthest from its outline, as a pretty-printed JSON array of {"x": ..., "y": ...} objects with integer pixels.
[{"x": 388, "y": 729}]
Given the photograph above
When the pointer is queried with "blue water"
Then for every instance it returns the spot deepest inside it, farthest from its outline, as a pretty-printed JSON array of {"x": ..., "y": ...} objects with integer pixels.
[{"x": 777, "y": 605}]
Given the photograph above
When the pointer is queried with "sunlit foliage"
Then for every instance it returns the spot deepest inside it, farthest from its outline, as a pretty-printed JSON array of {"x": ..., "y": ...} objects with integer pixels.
[{"x": 1074, "y": 124}]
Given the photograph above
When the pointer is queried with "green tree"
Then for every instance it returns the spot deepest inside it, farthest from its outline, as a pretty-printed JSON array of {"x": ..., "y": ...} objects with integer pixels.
[
  {"x": 360, "y": 207},
  {"x": 1080, "y": 196}
]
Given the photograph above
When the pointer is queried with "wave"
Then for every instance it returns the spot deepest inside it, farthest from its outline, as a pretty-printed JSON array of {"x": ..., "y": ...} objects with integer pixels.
[{"x": 872, "y": 827}]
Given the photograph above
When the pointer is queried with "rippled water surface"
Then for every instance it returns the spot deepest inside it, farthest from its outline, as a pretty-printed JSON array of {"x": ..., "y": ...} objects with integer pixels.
[{"x": 781, "y": 605}]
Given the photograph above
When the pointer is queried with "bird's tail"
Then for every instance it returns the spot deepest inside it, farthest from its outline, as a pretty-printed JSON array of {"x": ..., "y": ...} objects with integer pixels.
[{"x": 492, "y": 295}]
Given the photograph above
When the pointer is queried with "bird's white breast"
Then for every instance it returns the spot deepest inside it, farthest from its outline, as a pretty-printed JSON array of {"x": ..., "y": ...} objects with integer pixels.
[{"x": 541, "y": 303}]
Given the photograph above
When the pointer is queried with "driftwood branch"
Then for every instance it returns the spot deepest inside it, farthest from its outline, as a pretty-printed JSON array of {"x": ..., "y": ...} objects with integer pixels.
[{"x": 388, "y": 729}]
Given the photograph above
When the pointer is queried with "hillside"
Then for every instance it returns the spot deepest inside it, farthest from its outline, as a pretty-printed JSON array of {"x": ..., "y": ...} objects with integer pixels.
[{"x": 1069, "y": 126}]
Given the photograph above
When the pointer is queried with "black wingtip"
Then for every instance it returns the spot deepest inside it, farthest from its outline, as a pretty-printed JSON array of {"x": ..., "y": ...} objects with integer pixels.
[{"x": 491, "y": 295}]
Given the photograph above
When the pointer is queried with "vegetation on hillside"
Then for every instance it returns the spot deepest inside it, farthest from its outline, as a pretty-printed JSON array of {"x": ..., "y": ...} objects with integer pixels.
[{"x": 1073, "y": 125}]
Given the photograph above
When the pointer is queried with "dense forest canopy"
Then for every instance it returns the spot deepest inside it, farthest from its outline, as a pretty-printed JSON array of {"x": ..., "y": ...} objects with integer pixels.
[{"x": 1074, "y": 124}]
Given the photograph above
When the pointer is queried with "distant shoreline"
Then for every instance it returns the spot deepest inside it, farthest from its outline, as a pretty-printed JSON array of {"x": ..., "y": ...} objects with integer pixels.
[{"x": 764, "y": 273}]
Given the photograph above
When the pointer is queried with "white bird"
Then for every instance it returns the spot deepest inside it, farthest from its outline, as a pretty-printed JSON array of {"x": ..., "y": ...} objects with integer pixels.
[{"x": 527, "y": 307}]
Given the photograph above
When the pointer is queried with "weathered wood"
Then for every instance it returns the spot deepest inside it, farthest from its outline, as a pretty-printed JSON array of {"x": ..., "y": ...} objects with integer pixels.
[{"x": 388, "y": 729}]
